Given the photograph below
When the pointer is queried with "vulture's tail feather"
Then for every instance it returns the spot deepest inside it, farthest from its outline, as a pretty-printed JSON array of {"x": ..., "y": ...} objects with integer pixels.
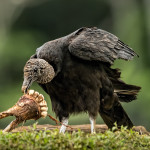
[{"x": 125, "y": 92}]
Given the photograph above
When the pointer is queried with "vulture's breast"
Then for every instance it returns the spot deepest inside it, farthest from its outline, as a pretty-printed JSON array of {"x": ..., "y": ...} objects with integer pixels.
[{"x": 77, "y": 86}]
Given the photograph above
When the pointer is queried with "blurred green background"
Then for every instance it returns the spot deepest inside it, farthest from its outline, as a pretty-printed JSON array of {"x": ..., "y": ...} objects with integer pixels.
[{"x": 27, "y": 24}]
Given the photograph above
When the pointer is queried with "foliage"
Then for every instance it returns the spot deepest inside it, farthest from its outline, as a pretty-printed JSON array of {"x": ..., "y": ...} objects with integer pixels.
[{"x": 119, "y": 140}]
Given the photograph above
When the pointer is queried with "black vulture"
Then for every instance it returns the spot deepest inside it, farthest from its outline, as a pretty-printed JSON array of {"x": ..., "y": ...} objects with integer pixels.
[{"x": 75, "y": 71}]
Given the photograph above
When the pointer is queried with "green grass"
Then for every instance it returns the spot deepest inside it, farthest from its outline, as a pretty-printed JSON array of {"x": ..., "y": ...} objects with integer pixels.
[{"x": 119, "y": 140}]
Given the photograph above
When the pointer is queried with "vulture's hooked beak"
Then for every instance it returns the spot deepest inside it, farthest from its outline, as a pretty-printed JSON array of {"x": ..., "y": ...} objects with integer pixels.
[{"x": 26, "y": 85}]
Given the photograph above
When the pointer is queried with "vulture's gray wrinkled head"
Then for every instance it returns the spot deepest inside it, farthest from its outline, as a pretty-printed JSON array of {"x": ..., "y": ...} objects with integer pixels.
[{"x": 37, "y": 70}]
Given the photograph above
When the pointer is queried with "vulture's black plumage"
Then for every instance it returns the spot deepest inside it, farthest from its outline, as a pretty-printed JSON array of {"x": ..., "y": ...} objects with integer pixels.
[{"x": 84, "y": 80}]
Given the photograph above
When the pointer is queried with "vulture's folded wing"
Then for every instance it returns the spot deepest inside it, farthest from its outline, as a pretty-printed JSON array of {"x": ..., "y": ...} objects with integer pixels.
[{"x": 99, "y": 45}]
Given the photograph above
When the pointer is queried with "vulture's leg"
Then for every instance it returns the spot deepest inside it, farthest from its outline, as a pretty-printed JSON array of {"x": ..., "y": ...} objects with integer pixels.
[
  {"x": 93, "y": 123},
  {"x": 64, "y": 121}
]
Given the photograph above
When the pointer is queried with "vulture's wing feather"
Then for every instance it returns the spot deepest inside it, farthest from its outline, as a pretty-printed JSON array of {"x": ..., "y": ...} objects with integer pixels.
[{"x": 97, "y": 44}]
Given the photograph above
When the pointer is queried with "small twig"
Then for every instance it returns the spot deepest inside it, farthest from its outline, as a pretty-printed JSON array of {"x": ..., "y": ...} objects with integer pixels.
[
  {"x": 52, "y": 118},
  {"x": 56, "y": 121}
]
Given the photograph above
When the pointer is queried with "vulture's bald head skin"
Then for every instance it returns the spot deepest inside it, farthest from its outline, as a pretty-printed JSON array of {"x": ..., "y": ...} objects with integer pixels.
[{"x": 37, "y": 70}]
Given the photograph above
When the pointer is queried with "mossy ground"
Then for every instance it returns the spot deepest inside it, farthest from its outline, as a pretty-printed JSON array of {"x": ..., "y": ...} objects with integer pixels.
[{"x": 118, "y": 140}]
